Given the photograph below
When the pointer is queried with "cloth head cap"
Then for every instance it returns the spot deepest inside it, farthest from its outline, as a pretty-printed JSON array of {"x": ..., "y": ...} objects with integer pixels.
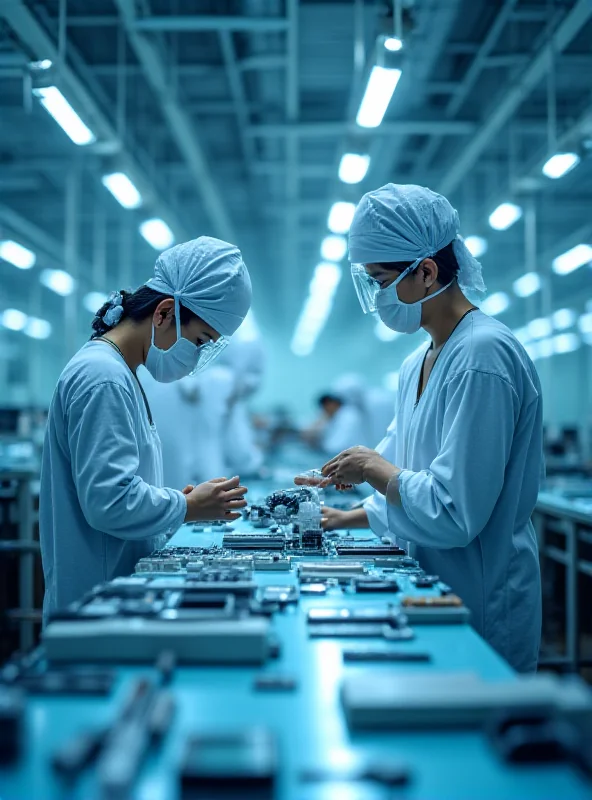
[
  {"x": 207, "y": 276},
  {"x": 407, "y": 222}
]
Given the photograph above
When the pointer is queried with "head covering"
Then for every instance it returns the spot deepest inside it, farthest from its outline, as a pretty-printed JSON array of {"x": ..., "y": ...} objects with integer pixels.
[
  {"x": 207, "y": 276},
  {"x": 404, "y": 223},
  {"x": 350, "y": 388}
]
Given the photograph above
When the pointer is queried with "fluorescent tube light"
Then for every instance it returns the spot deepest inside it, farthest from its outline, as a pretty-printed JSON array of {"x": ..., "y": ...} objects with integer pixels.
[
  {"x": 477, "y": 245},
  {"x": 54, "y": 102},
  {"x": 393, "y": 44},
  {"x": 381, "y": 86},
  {"x": 93, "y": 301},
  {"x": 522, "y": 335},
  {"x": 13, "y": 319},
  {"x": 317, "y": 308},
  {"x": 572, "y": 259},
  {"x": 540, "y": 328},
  {"x": 58, "y": 281},
  {"x": 560, "y": 164},
  {"x": 585, "y": 323},
  {"x": 566, "y": 343},
  {"x": 16, "y": 254},
  {"x": 353, "y": 167},
  {"x": 495, "y": 304},
  {"x": 546, "y": 348},
  {"x": 528, "y": 284},
  {"x": 564, "y": 318},
  {"x": 122, "y": 189},
  {"x": 37, "y": 328},
  {"x": 504, "y": 216},
  {"x": 333, "y": 248},
  {"x": 340, "y": 217},
  {"x": 157, "y": 233}
]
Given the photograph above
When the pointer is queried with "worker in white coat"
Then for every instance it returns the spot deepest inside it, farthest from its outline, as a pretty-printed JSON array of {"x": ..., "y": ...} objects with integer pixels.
[
  {"x": 102, "y": 501},
  {"x": 458, "y": 476},
  {"x": 380, "y": 407},
  {"x": 245, "y": 357},
  {"x": 191, "y": 417},
  {"x": 344, "y": 420}
]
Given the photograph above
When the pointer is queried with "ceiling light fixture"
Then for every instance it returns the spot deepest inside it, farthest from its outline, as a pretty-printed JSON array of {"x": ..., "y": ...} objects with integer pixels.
[
  {"x": 157, "y": 233},
  {"x": 333, "y": 248},
  {"x": 527, "y": 285},
  {"x": 560, "y": 164},
  {"x": 317, "y": 308},
  {"x": 379, "y": 91},
  {"x": 54, "y": 102},
  {"x": 17, "y": 255},
  {"x": 37, "y": 328},
  {"x": 504, "y": 216},
  {"x": 13, "y": 320},
  {"x": 353, "y": 167},
  {"x": 122, "y": 189},
  {"x": 58, "y": 281},
  {"x": 564, "y": 318},
  {"x": 340, "y": 217},
  {"x": 495, "y": 304},
  {"x": 573, "y": 259},
  {"x": 476, "y": 245}
]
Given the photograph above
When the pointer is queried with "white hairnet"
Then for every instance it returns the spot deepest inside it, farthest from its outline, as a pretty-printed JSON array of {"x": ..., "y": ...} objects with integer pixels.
[
  {"x": 207, "y": 276},
  {"x": 404, "y": 223}
]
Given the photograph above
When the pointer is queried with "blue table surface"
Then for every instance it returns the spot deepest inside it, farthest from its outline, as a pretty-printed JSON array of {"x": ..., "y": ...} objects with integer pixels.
[{"x": 309, "y": 722}]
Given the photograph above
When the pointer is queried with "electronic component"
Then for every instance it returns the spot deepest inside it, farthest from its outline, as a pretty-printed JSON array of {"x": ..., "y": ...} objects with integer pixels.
[
  {"x": 346, "y": 629},
  {"x": 430, "y": 610},
  {"x": 269, "y": 682},
  {"x": 280, "y": 594},
  {"x": 12, "y": 712},
  {"x": 271, "y": 563},
  {"x": 254, "y": 541},
  {"x": 371, "y": 584},
  {"x": 220, "y": 641},
  {"x": 313, "y": 588},
  {"x": 396, "y": 562},
  {"x": 312, "y": 540},
  {"x": 380, "y": 700},
  {"x": 230, "y": 765},
  {"x": 78, "y": 752},
  {"x": 372, "y": 655},
  {"x": 424, "y": 581},
  {"x": 344, "y": 548},
  {"x": 69, "y": 682},
  {"x": 385, "y": 616},
  {"x": 331, "y": 569},
  {"x": 384, "y": 773},
  {"x": 159, "y": 565}
]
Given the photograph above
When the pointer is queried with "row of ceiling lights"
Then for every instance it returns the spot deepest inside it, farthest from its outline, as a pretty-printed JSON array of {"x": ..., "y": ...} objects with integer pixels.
[{"x": 353, "y": 168}]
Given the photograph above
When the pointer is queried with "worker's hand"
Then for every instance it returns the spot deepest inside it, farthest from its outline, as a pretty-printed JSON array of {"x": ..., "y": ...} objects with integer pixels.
[
  {"x": 349, "y": 466},
  {"x": 332, "y": 519},
  {"x": 216, "y": 499},
  {"x": 188, "y": 489}
]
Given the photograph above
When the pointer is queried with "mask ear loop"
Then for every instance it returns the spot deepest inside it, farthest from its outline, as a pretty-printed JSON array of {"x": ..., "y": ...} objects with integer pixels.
[{"x": 177, "y": 314}]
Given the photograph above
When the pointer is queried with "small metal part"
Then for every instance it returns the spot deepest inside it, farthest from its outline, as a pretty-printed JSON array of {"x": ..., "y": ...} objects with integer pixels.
[
  {"x": 275, "y": 683},
  {"x": 313, "y": 588},
  {"x": 77, "y": 753},
  {"x": 379, "y": 656}
]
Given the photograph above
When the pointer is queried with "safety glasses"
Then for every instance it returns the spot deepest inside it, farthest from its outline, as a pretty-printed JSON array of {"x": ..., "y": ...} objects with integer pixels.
[{"x": 367, "y": 288}]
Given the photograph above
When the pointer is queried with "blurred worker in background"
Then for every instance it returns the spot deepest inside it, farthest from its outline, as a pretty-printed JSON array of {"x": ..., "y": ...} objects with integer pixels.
[
  {"x": 102, "y": 502},
  {"x": 458, "y": 475},
  {"x": 191, "y": 417},
  {"x": 245, "y": 358},
  {"x": 342, "y": 423}
]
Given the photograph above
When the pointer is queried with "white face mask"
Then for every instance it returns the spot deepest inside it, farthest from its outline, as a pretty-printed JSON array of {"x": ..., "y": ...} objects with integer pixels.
[
  {"x": 183, "y": 358},
  {"x": 399, "y": 316}
]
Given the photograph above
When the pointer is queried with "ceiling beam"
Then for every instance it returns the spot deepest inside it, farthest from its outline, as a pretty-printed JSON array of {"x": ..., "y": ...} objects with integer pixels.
[
  {"x": 263, "y": 62},
  {"x": 197, "y": 22},
  {"x": 517, "y": 92},
  {"x": 182, "y": 129},
  {"x": 39, "y": 45},
  {"x": 239, "y": 98},
  {"x": 402, "y": 127}
]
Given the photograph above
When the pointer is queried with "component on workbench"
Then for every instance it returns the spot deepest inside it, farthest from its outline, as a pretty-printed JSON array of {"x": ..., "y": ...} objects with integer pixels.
[
  {"x": 254, "y": 541},
  {"x": 312, "y": 477},
  {"x": 424, "y": 581},
  {"x": 344, "y": 548},
  {"x": 12, "y": 711},
  {"x": 273, "y": 682},
  {"x": 450, "y": 601},
  {"x": 280, "y": 594},
  {"x": 260, "y": 517},
  {"x": 368, "y": 583},
  {"x": 230, "y": 765},
  {"x": 273, "y": 562}
]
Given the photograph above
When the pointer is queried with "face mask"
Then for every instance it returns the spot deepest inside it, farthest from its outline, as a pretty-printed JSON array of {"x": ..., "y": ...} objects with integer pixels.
[
  {"x": 183, "y": 358},
  {"x": 398, "y": 316}
]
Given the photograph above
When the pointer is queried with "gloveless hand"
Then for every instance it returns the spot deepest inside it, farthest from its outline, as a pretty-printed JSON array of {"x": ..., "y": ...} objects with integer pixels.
[
  {"x": 350, "y": 465},
  {"x": 219, "y": 498}
]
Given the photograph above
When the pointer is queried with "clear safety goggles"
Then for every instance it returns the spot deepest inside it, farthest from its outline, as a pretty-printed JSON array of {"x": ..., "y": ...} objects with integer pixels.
[
  {"x": 209, "y": 352},
  {"x": 367, "y": 287}
]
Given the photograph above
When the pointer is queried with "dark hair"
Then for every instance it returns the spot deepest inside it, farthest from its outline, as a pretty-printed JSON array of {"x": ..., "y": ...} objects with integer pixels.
[
  {"x": 137, "y": 306},
  {"x": 444, "y": 259},
  {"x": 329, "y": 398}
]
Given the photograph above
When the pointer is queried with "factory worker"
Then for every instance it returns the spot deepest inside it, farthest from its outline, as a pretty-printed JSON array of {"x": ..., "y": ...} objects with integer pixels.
[
  {"x": 191, "y": 416},
  {"x": 342, "y": 423},
  {"x": 457, "y": 478},
  {"x": 245, "y": 357},
  {"x": 102, "y": 501}
]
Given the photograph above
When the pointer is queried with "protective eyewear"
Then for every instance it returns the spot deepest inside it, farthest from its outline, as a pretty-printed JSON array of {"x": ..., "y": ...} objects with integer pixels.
[
  {"x": 367, "y": 287},
  {"x": 209, "y": 352}
]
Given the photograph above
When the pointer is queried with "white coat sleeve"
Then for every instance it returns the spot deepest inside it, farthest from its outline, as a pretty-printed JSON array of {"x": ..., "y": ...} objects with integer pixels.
[
  {"x": 375, "y": 505},
  {"x": 449, "y": 503},
  {"x": 105, "y": 459}
]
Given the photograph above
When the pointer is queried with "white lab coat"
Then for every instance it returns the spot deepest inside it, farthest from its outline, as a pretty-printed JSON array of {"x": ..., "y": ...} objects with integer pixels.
[
  {"x": 380, "y": 407},
  {"x": 471, "y": 454},
  {"x": 191, "y": 417},
  {"x": 101, "y": 505}
]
